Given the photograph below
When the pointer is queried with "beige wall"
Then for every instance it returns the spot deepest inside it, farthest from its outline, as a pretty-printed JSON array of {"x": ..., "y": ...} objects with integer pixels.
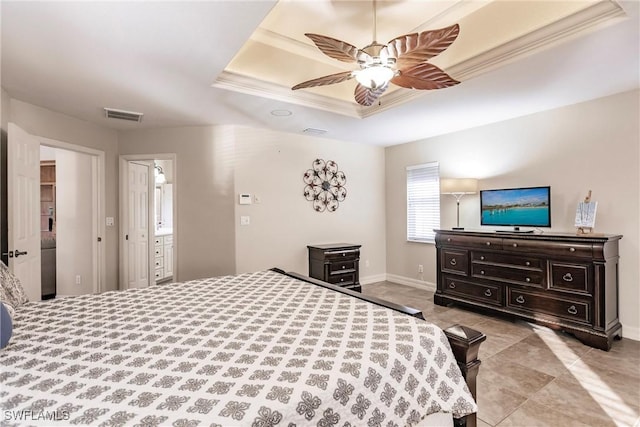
[
  {"x": 270, "y": 165},
  {"x": 203, "y": 183},
  {"x": 74, "y": 223},
  {"x": 588, "y": 146},
  {"x": 49, "y": 124}
]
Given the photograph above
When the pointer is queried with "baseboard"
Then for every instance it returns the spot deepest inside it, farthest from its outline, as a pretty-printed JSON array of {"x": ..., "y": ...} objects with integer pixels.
[
  {"x": 630, "y": 332},
  {"x": 414, "y": 283},
  {"x": 373, "y": 279}
]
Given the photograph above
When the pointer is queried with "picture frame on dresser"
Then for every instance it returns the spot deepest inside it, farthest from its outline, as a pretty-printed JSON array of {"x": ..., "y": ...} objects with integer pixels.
[{"x": 563, "y": 281}]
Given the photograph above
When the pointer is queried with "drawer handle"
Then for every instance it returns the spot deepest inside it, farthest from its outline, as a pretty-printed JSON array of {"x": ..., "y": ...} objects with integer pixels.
[
  {"x": 342, "y": 280},
  {"x": 482, "y": 258},
  {"x": 572, "y": 249},
  {"x": 527, "y": 263},
  {"x": 487, "y": 293},
  {"x": 344, "y": 266},
  {"x": 449, "y": 239},
  {"x": 527, "y": 279},
  {"x": 567, "y": 277},
  {"x": 452, "y": 285},
  {"x": 572, "y": 310},
  {"x": 488, "y": 243},
  {"x": 453, "y": 261},
  {"x": 344, "y": 254},
  {"x": 515, "y": 245},
  {"x": 482, "y": 272},
  {"x": 520, "y": 299}
]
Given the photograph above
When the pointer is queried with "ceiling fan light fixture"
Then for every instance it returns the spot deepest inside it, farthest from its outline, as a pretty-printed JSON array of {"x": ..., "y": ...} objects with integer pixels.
[{"x": 375, "y": 76}]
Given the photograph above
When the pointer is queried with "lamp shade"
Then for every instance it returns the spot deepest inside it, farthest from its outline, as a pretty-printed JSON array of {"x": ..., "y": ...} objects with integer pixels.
[{"x": 458, "y": 186}]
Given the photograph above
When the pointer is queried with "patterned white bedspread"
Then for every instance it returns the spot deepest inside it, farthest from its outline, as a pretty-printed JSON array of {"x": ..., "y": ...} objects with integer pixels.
[{"x": 259, "y": 349}]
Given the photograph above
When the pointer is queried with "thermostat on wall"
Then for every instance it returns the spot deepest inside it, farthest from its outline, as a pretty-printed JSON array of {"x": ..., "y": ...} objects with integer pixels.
[{"x": 244, "y": 199}]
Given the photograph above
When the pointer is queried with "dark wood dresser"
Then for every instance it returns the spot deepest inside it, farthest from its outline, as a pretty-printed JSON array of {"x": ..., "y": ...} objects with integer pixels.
[
  {"x": 564, "y": 281},
  {"x": 336, "y": 263}
]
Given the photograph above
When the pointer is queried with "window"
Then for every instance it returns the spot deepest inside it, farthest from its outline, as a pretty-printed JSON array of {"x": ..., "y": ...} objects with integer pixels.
[{"x": 423, "y": 202}]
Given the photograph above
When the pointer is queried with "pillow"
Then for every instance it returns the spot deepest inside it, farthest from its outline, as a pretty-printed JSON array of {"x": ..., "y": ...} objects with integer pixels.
[
  {"x": 6, "y": 325},
  {"x": 11, "y": 291}
]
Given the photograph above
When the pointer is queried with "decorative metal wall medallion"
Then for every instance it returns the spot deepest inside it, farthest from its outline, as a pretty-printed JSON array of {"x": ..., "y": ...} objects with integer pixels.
[{"x": 325, "y": 185}]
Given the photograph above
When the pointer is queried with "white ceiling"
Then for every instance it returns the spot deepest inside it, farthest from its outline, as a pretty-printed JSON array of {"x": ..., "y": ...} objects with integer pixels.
[{"x": 162, "y": 58}]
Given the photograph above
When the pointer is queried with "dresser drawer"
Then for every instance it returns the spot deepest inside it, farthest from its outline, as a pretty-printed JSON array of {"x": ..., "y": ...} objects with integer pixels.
[
  {"x": 485, "y": 293},
  {"x": 159, "y": 241},
  {"x": 573, "y": 250},
  {"x": 570, "y": 277},
  {"x": 347, "y": 255},
  {"x": 159, "y": 251},
  {"x": 470, "y": 241},
  {"x": 342, "y": 266},
  {"x": 576, "y": 311},
  {"x": 501, "y": 258},
  {"x": 454, "y": 261},
  {"x": 159, "y": 274},
  {"x": 342, "y": 279},
  {"x": 535, "y": 278}
]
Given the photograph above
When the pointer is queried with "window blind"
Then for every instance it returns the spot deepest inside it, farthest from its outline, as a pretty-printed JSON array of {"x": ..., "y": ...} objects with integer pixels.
[{"x": 423, "y": 202}]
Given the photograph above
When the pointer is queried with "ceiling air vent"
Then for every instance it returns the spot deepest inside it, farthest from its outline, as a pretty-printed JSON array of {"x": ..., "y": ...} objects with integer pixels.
[
  {"x": 313, "y": 131},
  {"x": 112, "y": 113}
]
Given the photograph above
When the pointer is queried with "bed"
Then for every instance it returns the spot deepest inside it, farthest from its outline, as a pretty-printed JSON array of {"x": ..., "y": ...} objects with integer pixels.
[{"x": 261, "y": 349}]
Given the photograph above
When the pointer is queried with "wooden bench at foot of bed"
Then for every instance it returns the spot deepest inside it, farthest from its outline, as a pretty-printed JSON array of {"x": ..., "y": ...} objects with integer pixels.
[{"x": 465, "y": 342}]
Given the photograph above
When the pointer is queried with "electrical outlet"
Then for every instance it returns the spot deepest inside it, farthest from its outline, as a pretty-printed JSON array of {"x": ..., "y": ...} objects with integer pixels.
[
  {"x": 420, "y": 268},
  {"x": 78, "y": 279}
]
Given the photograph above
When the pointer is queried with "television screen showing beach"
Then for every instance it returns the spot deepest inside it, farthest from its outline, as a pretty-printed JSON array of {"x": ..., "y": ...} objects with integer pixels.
[{"x": 526, "y": 206}]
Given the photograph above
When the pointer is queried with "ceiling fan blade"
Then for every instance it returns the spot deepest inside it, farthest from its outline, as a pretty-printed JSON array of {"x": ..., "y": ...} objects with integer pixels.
[
  {"x": 325, "y": 80},
  {"x": 366, "y": 97},
  {"x": 334, "y": 48},
  {"x": 424, "y": 76},
  {"x": 412, "y": 49}
]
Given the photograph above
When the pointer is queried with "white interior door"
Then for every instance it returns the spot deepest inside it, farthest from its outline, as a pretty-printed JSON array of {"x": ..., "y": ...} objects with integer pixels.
[
  {"x": 138, "y": 222},
  {"x": 23, "y": 181}
]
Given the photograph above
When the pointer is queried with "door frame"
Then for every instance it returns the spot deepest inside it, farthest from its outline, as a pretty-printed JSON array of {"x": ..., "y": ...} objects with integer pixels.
[
  {"x": 124, "y": 207},
  {"x": 97, "y": 205}
]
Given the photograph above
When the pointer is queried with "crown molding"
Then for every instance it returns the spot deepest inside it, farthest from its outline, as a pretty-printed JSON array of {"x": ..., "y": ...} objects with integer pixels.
[{"x": 586, "y": 20}]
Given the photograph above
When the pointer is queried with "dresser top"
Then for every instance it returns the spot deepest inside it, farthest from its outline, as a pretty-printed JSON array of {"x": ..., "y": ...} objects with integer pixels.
[
  {"x": 334, "y": 246},
  {"x": 592, "y": 237}
]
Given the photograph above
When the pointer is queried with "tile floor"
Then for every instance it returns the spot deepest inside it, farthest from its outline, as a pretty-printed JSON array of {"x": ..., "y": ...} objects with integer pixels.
[{"x": 533, "y": 376}]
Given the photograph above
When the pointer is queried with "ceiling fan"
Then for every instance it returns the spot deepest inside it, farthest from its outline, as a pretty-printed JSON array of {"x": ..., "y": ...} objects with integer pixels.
[{"x": 402, "y": 61}]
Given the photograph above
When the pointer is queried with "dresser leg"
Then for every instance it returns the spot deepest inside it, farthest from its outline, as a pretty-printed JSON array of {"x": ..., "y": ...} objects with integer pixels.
[
  {"x": 603, "y": 342},
  {"x": 440, "y": 300}
]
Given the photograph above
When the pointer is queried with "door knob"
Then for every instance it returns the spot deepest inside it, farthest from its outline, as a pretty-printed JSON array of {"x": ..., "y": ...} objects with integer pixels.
[{"x": 18, "y": 253}]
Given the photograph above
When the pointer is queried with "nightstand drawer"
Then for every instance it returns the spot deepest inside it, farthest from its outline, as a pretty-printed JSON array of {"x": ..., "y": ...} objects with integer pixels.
[
  {"x": 485, "y": 293},
  {"x": 159, "y": 251},
  {"x": 565, "y": 308},
  {"x": 159, "y": 241},
  {"x": 570, "y": 277},
  {"x": 346, "y": 255},
  {"x": 339, "y": 266},
  {"x": 342, "y": 279},
  {"x": 159, "y": 274}
]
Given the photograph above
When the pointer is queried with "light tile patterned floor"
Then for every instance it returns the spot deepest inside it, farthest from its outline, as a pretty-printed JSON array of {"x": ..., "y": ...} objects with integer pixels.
[{"x": 533, "y": 376}]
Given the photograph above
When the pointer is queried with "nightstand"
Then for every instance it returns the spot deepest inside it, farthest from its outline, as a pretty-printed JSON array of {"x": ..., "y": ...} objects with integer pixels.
[{"x": 336, "y": 263}]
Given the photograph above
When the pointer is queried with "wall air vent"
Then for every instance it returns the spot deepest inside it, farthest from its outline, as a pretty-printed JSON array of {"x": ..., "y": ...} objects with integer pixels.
[
  {"x": 112, "y": 113},
  {"x": 313, "y": 131}
]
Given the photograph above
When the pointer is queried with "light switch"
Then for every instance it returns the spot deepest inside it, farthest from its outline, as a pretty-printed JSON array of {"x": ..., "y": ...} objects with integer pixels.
[
  {"x": 110, "y": 221},
  {"x": 245, "y": 220}
]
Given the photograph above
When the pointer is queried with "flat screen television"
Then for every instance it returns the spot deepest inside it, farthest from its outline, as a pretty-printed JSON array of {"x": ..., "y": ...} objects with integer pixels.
[{"x": 516, "y": 207}]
